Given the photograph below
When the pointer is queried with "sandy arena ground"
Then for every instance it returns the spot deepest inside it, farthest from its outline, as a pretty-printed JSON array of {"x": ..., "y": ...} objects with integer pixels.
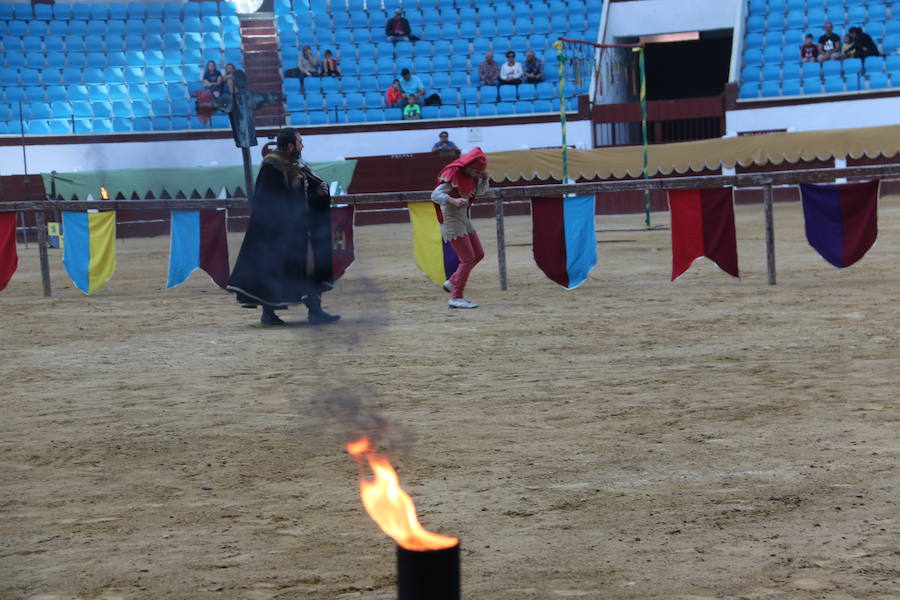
[{"x": 634, "y": 438}]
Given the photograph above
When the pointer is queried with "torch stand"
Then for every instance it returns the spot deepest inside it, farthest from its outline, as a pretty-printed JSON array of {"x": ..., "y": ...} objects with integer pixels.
[{"x": 428, "y": 575}]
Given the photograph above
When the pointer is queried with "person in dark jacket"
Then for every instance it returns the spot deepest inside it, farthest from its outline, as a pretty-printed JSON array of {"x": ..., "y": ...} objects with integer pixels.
[
  {"x": 863, "y": 42},
  {"x": 289, "y": 212},
  {"x": 397, "y": 28}
]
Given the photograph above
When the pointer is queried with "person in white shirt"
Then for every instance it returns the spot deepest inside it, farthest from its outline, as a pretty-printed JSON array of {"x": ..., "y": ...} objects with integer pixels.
[{"x": 511, "y": 71}]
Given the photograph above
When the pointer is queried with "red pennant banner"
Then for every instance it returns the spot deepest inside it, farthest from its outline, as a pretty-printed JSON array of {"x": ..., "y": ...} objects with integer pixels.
[
  {"x": 703, "y": 225},
  {"x": 9, "y": 258},
  {"x": 214, "y": 245},
  {"x": 342, "y": 249}
]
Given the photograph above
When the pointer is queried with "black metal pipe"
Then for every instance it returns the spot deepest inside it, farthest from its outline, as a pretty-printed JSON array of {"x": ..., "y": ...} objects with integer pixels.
[{"x": 428, "y": 574}]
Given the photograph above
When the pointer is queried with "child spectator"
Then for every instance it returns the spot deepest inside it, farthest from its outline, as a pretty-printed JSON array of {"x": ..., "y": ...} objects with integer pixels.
[
  {"x": 394, "y": 94},
  {"x": 808, "y": 51},
  {"x": 849, "y": 49},
  {"x": 330, "y": 66},
  {"x": 412, "y": 110}
]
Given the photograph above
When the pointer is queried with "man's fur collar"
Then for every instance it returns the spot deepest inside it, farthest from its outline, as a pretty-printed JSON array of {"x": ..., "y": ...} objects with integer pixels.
[{"x": 293, "y": 173}]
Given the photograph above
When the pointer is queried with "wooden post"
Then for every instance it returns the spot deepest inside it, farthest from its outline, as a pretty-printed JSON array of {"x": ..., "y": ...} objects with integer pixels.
[
  {"x": 501, "y": 242},
  {"x": 41, "y": 224},
  {"x": 248, "y": 172},
  {"x": 770, "y": 232}
]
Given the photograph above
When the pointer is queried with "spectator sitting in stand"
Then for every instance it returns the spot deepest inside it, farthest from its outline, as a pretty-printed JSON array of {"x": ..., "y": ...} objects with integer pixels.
[
  {"x": 534, "y": 68},
  {"x": 808, "y": 51},
  {"x": 397, "y": 29},
  {"x": 330, "y": 66},
  {"x": 212, "y": 79},
  {"x": 309, "y": 63},
  {"x": 444, "y": 146},
  {"x": 865, "y": 45},
  {"x": 848, "y": 48},
  {"x": 488, "y": 70},
  {"x": 411, "y": 85},
  {"x": 412, "y": 110},
  {"x": 394, "y": 94},
  {"x": 829, "y": 44},
  {"x": 511, "y": 71}
]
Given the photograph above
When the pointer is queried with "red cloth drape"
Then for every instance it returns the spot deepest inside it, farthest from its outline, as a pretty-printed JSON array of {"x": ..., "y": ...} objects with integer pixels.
[{"x": 9, "y": 258}]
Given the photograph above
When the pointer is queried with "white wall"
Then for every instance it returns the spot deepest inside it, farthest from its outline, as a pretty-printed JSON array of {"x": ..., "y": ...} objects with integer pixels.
[
  {"x": 651, "y": 17},
  {"x": 319, "y": 147},
  {"x": 810, "y": 117}
]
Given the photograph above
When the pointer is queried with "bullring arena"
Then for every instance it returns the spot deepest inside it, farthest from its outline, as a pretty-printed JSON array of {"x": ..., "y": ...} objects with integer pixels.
[{"x": 634, "y": 438}]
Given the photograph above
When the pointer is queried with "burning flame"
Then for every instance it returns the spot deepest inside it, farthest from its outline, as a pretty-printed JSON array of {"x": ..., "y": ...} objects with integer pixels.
[
  {"x": 389, "y": 506},
  {"x": 103, "y": 193}
]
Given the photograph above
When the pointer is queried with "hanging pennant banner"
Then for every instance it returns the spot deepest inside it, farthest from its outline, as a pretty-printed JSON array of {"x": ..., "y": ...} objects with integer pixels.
[
  {"x": 89, "y": 254},
  {"x": 9, "y": 258},
  {"x": 564, "y": 240},
  {"x": 841, "y": 220},
  {"x": 435, "y": 257},
  {"x": 199, "y": 241},
  {"x": 703, "y": 225},
  {"x": 342, "y": 247}
]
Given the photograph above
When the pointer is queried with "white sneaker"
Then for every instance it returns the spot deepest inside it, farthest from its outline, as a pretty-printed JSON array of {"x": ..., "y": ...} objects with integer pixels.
[
  {"x": 448, "y": 287},
  {"x": 461, "y": 303}
]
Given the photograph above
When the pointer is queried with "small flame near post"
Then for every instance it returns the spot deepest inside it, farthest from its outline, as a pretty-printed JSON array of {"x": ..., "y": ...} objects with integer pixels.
[
  {"x": 104, "y": 195},
  {"x": 389, "y": 506}
]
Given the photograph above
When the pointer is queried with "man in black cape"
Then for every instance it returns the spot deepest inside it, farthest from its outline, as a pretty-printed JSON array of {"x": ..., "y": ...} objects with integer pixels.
[{"x": 289, "y": 212}]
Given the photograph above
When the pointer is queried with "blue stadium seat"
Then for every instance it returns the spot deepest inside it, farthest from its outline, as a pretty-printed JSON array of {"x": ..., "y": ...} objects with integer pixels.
[
  {"x": 93, "y": 75},
  {"x": 59, "y": 28},
  {"x": 141, "y": 124},
  {"x": 121, "y": 124},
  {"x": 355, "y": 116},
  {"x": 854, "y": 82},
  {"x": 750, "y": 73},
  {"x": 373, "y": 99},
  {"x": 35, "y": 60},
  {"x": 30, "y": 77},
  {"x": 791, "y": 70},
  {"x": 36, "y": 27},
  {"x": 508, "y": 93},
  {"x": 16, "y": 28},
  {"x": 77, "y": 28},
  {"x": 874, "y": 64},
  {"x": 154, "y": 58},
  {"x": 488, "y": 93},
  {"x": 852, "y": 66},
  {"x": 160, "y": 108},
  {"x": 318, "y": 118},
  {"x": 191, "y": 39},
  {"x": 772, "y": 55},
  {"x": 82, "y": 109},
  {"x": 440, "y": 80},
  {"x": 60, "y": 126},
  {"x": 35, "y": 94},
  {"x": 791, "y": 87},
  {"x": 774, "y": 38},
  {"x": 524, "y": 107},
  {"x": 430, "y": 112},
  {"x": 158, "y": 91},
  {"x": 878, "y": 81},
  {"x": 209, "y": 8},
  {"x": 102, "y": 109},
  {"x": 527, "y": 91},
  {"x": 212, "y": 24},
  {"x": 134, "y": 74},
  {"x": 354, "y": 101},
  {"x": 749, "y": 90},
  {"x": 831, "y": 68},
  {"x": 544, "y": 106},
  {"x": 31, "y": 43},
  {"x": 796, "y": 19},
  {"x": 38, "y": 127},
  {"x": 812, "y": 86},
  {"x": 771, "y": 72},
  {"x": 506, "y": 108},
  {"x": 834, "y": 84},
  {"x": 39, "y": 110},
  {"x": 140, "y": 108},
  {"x": 815, "y": 18},
  {"x": 62, "y": 12},
  {"x": 752, "y": 56}
]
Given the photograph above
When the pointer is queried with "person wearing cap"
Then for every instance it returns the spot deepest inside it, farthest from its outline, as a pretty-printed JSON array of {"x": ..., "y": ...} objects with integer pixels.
[{"x": 459, "y": 184}]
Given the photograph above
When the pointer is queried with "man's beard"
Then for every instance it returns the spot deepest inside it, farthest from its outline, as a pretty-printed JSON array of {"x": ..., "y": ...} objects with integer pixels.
[{"x": 294, "y": 155}]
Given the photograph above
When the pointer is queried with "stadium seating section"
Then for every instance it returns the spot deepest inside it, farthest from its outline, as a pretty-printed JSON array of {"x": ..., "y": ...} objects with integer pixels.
[
  {"x": 455, "y": 36},
  {"x": 122, "y": 67},
  {"x": 775, "y": 31}
]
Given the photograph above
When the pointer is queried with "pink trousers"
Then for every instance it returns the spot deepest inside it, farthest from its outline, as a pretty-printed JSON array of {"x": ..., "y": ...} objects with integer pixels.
[{"x": 468, "y": 249}]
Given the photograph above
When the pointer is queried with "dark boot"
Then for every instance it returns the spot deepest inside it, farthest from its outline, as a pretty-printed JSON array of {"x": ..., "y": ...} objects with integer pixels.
[
  {"x": 269, "y": 317},
  {"x": 317, "y": 316}
]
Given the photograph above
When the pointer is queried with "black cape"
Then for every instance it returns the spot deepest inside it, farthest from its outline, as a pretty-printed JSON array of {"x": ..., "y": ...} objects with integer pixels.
[{"x": 288, "y": 215}]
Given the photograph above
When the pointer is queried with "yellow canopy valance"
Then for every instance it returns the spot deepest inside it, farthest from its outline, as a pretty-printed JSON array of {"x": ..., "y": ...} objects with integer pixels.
[{"x": 760, "y": 150}]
